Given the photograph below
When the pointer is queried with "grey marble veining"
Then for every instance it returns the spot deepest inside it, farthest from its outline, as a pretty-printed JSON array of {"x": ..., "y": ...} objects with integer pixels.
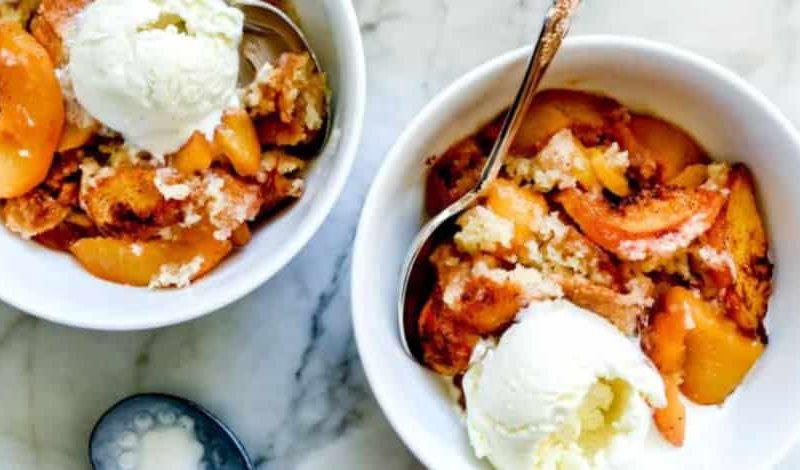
[{"x": 280, "y": 366}]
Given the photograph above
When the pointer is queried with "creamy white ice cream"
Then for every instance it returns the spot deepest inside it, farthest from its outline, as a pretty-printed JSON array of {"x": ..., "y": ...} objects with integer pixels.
[
  {"x": 156, "y": 70},
  {"x": 563, "y": 389}
]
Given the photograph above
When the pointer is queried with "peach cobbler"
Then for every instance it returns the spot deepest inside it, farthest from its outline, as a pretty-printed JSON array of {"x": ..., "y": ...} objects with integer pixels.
[
  {"x": 127, "y": 141},
  {"x": 619, "y": 213}
]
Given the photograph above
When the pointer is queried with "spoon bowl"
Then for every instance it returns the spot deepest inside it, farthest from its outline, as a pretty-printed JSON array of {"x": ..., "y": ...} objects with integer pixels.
[{"x": 116, "y": 437}]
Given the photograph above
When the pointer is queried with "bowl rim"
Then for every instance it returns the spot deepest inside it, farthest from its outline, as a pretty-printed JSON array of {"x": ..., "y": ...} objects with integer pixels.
[
  {"x": 261, "y": 273},
  {"x": 359, "y": 275}
]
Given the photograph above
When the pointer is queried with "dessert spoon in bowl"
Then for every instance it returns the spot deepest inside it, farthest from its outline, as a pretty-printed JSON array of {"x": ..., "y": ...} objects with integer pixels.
[
  {"x": 268, "y": 33},
  {"x": 417, "y": 272}
]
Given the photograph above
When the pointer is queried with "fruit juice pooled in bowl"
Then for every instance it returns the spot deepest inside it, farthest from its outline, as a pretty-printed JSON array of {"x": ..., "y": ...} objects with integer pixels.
[
  {"x": 126, "y": 140},
  {"x": 610, "y": 274}
]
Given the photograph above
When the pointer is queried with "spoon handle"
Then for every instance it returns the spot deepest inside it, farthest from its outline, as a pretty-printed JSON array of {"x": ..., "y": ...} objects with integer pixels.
[{"x": 555, "y": 28}]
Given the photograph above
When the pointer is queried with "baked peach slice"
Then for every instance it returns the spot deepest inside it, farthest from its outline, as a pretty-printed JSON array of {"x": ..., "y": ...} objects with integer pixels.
[
  {"x": 241, "y": 236},
  {"x": 664, "y": 338},
  {"x": 195, "y": 156},
  {"x": 671, "y": 148},
  {"x": 31, "y": 111},
  {"x": 139, "y": 263},
  {"x": 690, "y": 177},
  {"x": 671, "y": 420},
  {"x": 237, "y": 139},
  {"x": 74, "y": 136},
  {"x": 554, "y": 110},
  {"x": 654, "y": 222},
  {"x": 610, "y": 176},
  {"x": 718, "y": 354},
  {"x": 738, "y": 237}
]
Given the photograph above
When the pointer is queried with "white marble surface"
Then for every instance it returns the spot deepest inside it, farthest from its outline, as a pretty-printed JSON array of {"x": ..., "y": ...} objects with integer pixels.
[{"x": 280, "y": 366}]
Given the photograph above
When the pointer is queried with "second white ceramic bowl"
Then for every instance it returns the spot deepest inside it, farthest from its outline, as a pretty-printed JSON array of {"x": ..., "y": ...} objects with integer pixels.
[
  {"x": 727, "y": 116},
  {"x": 53, "y": 286}
]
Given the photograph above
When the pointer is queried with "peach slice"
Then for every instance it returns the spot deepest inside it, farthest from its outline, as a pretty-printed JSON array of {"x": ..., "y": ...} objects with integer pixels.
[
  {"x": 691, "y": 177},
  {"x": 718, "y": 355},
  {"x": 138, "y": 263},
  {"x": 127, "y": 262},
  {"x": 236, "y": 138},
  {"x": 664, "y": 339},
  {"x": 241, "y": 236},
  {"x": 633, "y": 229},
  {"x": 671, "y": 420},
  {"x": 670, "y": 147},
  {"x": 31, "y": 111},
  {"x": 583, "y": 170},
  {"x": 554, "y": 110},
  {"x": 195, "y": 156},
  {"x": 611, "y": 177},
  {"x": 75, "y": 137},
  {"x": 739, "y": 233}
]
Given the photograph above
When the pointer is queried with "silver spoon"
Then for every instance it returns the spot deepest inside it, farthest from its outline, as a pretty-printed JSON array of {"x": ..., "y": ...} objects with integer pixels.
[
  {"x": 115, "y": 443},
  {"x": 269, "y": 32},
  {"x": 417, "y": 271}
]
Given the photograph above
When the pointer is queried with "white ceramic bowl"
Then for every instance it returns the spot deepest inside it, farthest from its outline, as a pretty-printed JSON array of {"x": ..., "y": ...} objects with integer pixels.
[
  {"x": 53, "y": 286},
  {"x": 731, "y": 120}
]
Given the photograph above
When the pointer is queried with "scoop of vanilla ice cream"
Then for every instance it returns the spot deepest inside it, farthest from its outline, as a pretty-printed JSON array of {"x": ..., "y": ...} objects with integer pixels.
[
  {"x": 156, "y": 71},
  {"x": 562, "y": 390}
]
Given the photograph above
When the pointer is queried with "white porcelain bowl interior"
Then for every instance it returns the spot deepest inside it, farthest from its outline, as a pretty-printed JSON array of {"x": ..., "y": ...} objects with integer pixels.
[
  {"x": 727, "y": 116},
  {"x": 53, "y": 286}
]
